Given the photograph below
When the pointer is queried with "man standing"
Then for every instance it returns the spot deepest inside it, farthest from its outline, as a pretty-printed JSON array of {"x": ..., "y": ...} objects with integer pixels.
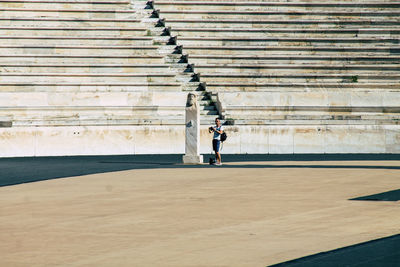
[{"x": 216, "y": 142}]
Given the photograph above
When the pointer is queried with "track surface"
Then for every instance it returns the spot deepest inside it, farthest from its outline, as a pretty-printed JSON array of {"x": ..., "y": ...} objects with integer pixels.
[{"x": 255, "y": 210}]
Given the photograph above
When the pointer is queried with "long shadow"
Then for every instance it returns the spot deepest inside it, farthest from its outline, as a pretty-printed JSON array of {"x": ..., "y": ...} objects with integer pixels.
[
  {"x": 15, "y": 171},
  {"x": 393, "y": 195},
  {"x": 384, "y": 252}
]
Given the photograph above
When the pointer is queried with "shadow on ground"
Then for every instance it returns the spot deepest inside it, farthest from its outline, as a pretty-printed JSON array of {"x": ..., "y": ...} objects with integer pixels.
[
  {"x": 15, "y": 171},
  {"x": 383, "y": 252},
  {"x": 393, "y": 195}
]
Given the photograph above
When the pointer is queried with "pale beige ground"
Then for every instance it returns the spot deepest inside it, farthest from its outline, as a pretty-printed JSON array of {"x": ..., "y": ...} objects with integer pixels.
[{"x": 195, "y": 217}]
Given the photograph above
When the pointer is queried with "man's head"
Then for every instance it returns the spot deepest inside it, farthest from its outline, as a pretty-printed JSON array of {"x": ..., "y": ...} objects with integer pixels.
[{"x": 217, "y": 122}]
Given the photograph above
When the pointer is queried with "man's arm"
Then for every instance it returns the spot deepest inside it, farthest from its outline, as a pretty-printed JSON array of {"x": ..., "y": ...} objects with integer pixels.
[{"x": 215, "y": 130}]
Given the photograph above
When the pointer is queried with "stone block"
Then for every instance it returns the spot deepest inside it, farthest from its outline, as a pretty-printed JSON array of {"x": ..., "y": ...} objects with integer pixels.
[
  {"x": 309, "y": 139},
  {"x": 18, "y": 142},
  {"x": 392, "y": 138},
  {"x": 366, "y": 99},
  {"x": 192, "y": 159},
  {"x": 355, "y": 139},
  {"x": 75, "y": 140},
  {"x": 254, "y": 140},
  {"x": 341, "y": 98},
  {"x": 281, "y": 139},
  {"x": 391, "y": 98},
  {"x": 309, "y": 99},
  {"x": 160, "y": 140}
]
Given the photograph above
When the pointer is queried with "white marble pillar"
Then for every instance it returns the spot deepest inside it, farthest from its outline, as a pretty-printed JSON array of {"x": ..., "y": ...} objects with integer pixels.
[{"x": 192, "y": 132}]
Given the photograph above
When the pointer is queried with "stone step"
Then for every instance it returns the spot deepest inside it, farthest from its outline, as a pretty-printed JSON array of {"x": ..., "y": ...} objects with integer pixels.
[
  {"x": 39, "y": 22},
  {"x": 80, "y": 99},
  {"x": 276, "y": 5},
  {"x": 374, "y": 15},
  {"x": 204, "y": 103},
  {"x": 288, "y": 41},
  {"x": 79, "y": 59},
  {"x": 82, "y": 68},
  {"x": 285, "y": 32},
  {"x": 73, "y": 31},
  {"x": 379, "y": 79},
  {"x": 305, "y": 24},
  {"x": 313, "y": 100},
  {"x": 290, "y": 50},
  {"x": 99, "y": 121},
  {"x": 293, "y": 114},
  {"x": 78, "y": 41},
  {"x": 91, "y": 115},
  {"x": 314, "y": 114},
  {"x": 291, "y": 68},
  {"x": 54, "y": 4},
  {"x": 109, "y": 86},
  {"x": 334, "y": 120},
  {"x": 299, "y": 87},
  {"x": 209, "y": 112},
  {"x": 111, "y": 78},
  {"x": 207, "y": 108},
  {"x": 288, "y": 59},
  {"x": 79, "y": 50},
  {"x": 69, "y": 13}
]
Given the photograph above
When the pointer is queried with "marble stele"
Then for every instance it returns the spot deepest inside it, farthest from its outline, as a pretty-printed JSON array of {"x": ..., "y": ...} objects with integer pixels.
[{"x": 192, "y": 131}]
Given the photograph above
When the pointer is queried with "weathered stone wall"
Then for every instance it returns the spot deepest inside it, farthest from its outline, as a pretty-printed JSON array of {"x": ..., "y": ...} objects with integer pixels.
[{"x": 113, "y": 140}]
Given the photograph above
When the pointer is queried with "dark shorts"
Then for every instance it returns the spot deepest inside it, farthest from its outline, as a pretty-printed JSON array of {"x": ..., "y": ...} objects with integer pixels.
[{"x": 216, "y": 144}]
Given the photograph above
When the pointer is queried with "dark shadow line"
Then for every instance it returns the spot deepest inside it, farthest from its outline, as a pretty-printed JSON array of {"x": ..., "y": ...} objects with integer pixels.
[
  {"x": 14, "y": 171},
  {"x": 263, "y": 166},
  {"x": 392, "y": 195},
  {"x": 341, "y": 252},
  {"x": 136, "y": 163}
]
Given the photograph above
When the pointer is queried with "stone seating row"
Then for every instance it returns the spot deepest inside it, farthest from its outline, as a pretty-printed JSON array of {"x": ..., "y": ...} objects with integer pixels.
[
  {"x": 63, "y": 4},
  {"x": 285, "y": 32},
  {"x": 274, "y": 4},
  {"x": 65, "y": 23},
  {"x": 275, "y": 16},
  {"x": 71, "y": 31},
  {"x": 320, "y": 108},
  {"x": 301, "y": 24},
  {"x": 63, "y": 108},
  {"x": 335, "y": 79},
  {"x": 68, "y": 13}
]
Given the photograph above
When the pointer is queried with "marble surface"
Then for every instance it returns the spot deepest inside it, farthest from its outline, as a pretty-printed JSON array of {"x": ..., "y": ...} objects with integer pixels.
[
  {"x": 192, "y": 131},
  {"x": 170, "y": 139}
]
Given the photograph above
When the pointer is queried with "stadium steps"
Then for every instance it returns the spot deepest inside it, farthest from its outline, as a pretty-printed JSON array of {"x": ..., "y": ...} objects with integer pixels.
[
  {"x": 279, "y": 5},
  {"x": 66, "y": 63},
  {"x": 249, "y": 49},
  {"x": 285, "y": 32},
  {"x": 76, "y": 31},
  {"x": 64, "y": 4}
]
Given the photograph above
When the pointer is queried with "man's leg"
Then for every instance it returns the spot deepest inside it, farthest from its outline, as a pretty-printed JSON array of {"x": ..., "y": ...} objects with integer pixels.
[
  {"x": 218, "y": 157},
  {"x": 217, "y": 154}
]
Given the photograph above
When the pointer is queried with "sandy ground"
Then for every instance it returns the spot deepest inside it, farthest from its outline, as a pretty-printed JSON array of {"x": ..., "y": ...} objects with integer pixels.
[{"x": 243, "y": 214}]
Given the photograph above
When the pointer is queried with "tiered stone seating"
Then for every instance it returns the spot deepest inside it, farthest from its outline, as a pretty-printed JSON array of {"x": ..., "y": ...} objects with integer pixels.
[
  {"x": 301, "y": 62},
  {"x": 86, "y": 62}
]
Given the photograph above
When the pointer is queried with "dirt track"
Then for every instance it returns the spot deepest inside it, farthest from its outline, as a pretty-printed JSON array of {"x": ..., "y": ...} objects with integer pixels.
[{"x": 250, "y": 215}]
